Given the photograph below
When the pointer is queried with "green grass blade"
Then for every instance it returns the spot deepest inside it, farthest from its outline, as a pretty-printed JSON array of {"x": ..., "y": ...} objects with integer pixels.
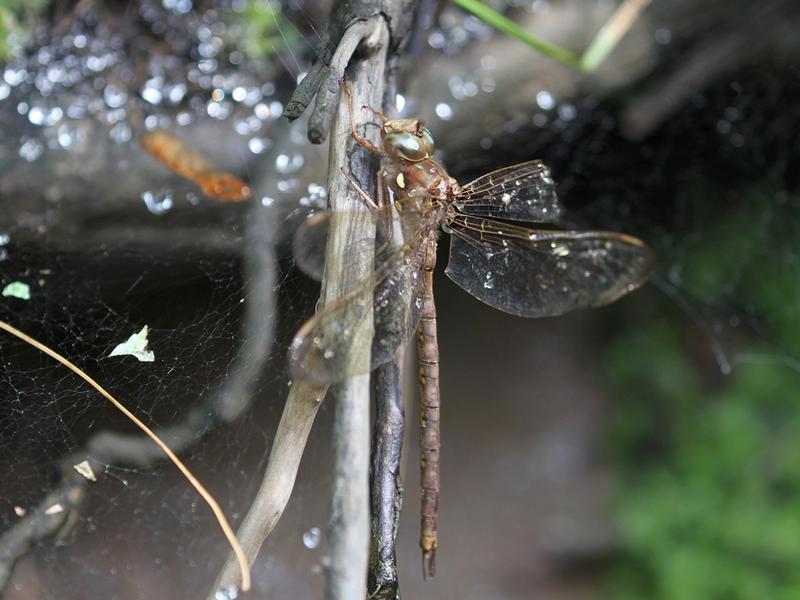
[
  {"x": 501, "y": 23},
  {"x": 611, "y": 33}
]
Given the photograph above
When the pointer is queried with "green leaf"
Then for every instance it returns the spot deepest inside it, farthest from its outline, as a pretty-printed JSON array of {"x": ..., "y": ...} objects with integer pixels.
[
  {"x": 135, "y": 346},
  {"x": 17, "y": 289}
]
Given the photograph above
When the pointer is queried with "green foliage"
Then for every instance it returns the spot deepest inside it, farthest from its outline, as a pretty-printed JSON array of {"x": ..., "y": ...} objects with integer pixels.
[
  {"x": 709, "y": 466},
  {"x": 261, "y": 30},
  {"x": 17, "y": 18}
]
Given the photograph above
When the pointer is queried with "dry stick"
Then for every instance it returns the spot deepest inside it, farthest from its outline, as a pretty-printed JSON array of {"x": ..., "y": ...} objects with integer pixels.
[
  {"x": 611, "y": 33},
  {"x": 301, "y": 407},
  {"x": 352, "y": 221},
  {"x": 341, "y": 274},
  {"x": 387, "y": 490},
  {"x": 215, "y": 508}
]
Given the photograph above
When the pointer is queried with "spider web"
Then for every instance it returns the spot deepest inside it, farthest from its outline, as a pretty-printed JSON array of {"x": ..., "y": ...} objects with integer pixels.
[{"x": 108, "y": 241}]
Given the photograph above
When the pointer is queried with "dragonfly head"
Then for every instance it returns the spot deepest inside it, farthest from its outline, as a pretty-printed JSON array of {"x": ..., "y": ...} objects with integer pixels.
[{"x": 407, "y": 139}]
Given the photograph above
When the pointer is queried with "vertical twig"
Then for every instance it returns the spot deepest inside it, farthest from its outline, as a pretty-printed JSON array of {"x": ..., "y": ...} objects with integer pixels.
[
  {"x": 386, "y": 488},
  {"x": 351, "y": 221}
]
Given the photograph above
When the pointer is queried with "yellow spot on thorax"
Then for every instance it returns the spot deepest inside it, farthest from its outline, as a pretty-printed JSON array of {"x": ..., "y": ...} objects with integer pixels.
[{"x": 401, "y": 181}]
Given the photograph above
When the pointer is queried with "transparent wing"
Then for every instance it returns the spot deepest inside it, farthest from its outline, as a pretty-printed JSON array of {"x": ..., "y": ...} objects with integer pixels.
[
  {"x": 536, "y": 273},
  {"x": 323, "y": 349},
  {"x": 308, "y": 244},
  {"x": 523, "y": 192}
]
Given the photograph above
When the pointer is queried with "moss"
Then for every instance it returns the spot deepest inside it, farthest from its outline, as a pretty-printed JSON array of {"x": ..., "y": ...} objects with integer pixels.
[{"x": 709, "y": 467}]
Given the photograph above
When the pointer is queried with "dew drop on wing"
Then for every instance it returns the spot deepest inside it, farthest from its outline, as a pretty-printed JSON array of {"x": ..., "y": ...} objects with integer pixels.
[{"x": 311, "y": 538}]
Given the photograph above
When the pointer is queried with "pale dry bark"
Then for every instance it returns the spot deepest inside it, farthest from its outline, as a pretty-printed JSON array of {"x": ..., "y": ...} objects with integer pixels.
[{"x": 346, "y": 265}]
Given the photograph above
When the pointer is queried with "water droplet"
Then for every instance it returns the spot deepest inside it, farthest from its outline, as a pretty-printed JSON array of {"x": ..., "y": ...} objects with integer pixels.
[
  {"x": 545, "y": 100},
  {"x": 286, "y": 164},
  {"x": 328, "y": 354},
  {"x": 261, "y": 111},
  {"x": 662, "y": 36},
  {"x": 275, "y": 109},
  {"x": 219, "y": 110},
  {"x": 444, "y": 111},
  {"x": 5, "y": 90},
  {"x": 31, "y": 149},
  {"x": 41, "y": 115},
  {"x": 120, "y": 133},
  {"x": 151, "y": 92},
  {"x": 114, "y": 96},
  {"x": 67, "y": 135},
  {"x": 227, "y": 593},
  {"x": 267, "y": 201},
  {"x": 157, "y": 203},
  {"x": 312, "y": 537},
  {"x": 239, "y": 93},
  {"x": 13, "y": 76},
  {"x": 540, "y": 7},
  {"x": 176, "y": 93},
  {"x": 567, "y": 112},
  {"x": 258, "y": 145},
  {"x": 559, "y": 249},
  {"x": 436, "y": 39},
  {"x": 488, "y": 281}
]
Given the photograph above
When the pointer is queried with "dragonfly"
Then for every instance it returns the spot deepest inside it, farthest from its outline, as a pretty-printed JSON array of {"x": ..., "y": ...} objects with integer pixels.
[{"x": 495, "y": 255}]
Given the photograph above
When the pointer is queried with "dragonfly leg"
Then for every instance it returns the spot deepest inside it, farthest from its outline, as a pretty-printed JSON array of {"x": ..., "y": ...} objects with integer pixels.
[
  {"x": 377, "y": 113},
  {"x": 429, "y": 436},
  {"x": 360, "y": 139},
  {"x": 359, "y": 190},
  {"x": 386, "y": 211}
]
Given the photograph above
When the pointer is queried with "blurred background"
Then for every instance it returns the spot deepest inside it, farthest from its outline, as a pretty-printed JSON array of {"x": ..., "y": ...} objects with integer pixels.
[{"x": 648, "y": 449}]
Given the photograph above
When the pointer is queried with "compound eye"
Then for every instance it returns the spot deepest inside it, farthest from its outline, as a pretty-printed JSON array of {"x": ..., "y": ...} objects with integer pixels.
[
  {"x": 427, "y": 141},
  {"x": 406, "y": 145}
]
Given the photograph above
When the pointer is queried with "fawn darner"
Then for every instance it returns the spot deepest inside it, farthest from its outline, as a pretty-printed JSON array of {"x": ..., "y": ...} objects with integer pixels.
[{"x": 519, "y": 270}]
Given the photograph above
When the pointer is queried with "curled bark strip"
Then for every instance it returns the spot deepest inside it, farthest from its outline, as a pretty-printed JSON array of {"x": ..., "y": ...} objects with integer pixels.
[
  {"x": 329, "y": 88},
  {"x": 326, "y": 73}
]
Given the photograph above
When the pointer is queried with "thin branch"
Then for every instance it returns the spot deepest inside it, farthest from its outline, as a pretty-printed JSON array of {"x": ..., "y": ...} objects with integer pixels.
[
  {"x": 347, "y": 263},
  {"x": 611, "y": 33},
  {"x": 301, "y": 407},
  {"x": 387, "y": 488}
]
